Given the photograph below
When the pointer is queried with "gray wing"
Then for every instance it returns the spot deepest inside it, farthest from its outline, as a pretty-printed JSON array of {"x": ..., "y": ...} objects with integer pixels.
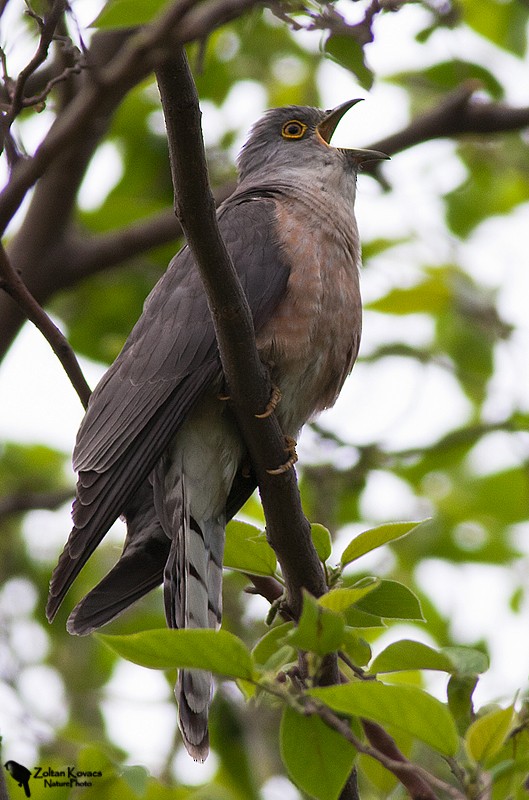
[{"x": 168, "y": 361}]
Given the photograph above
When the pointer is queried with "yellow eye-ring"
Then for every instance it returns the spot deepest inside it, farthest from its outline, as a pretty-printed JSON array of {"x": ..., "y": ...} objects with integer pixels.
[{"x": 293, "y": 129}]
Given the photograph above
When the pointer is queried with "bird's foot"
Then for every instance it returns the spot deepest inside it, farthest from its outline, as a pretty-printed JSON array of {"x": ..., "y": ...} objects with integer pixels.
[
  {"x": 271, "y": 406},
  {"x": 290, "y": 448}
]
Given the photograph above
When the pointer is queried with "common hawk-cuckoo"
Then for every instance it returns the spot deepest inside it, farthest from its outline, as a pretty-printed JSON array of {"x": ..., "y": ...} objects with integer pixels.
[{"x": 157, "y": 445}]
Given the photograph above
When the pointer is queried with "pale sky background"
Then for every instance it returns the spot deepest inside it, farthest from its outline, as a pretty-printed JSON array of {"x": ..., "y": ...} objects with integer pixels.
[{"x": 401, "y": 404}]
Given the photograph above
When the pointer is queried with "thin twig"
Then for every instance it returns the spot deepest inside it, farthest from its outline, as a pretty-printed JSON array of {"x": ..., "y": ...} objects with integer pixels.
[
  {"x": 15, "y": 287},
  {"x": 47, "y": 32},
  {"x": 36, "y": 99},
  {"x": 400, "y": 768}
]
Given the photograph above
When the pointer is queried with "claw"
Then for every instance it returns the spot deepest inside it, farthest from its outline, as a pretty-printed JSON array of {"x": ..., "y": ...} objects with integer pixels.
[
  {"x": 290, "y": 448},
  {"x": 271, "y": 406}
]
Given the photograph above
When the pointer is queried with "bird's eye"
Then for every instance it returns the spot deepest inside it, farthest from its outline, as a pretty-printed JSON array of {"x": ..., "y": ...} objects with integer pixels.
[{"x": 293, "y": 129}]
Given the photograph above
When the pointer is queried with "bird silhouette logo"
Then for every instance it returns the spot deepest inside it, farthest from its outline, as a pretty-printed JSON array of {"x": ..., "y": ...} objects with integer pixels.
[{"x": 21, "y": 774}]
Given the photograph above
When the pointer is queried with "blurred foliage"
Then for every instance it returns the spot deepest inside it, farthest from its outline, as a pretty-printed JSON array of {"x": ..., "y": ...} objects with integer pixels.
[{"x": 475, "y": 511}]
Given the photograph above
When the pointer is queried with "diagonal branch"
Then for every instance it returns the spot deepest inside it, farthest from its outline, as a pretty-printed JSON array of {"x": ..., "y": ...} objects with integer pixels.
[
  {"x": 247, "y": 380},
  {"x": 97, "y": 253},
  {"x": 418, "y": 781},
  {"x": 60, "y": 161},
  {"x": 11, "y": 282},
  {"x": 459, "y": 113}
]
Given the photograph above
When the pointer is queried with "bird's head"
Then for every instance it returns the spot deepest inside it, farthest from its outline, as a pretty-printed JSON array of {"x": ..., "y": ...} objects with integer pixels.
[{"x": 298, "y": 137}]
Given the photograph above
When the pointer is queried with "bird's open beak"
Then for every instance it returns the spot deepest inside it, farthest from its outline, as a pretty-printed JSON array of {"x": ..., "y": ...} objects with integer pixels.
[{"x": 328, "y": 125}]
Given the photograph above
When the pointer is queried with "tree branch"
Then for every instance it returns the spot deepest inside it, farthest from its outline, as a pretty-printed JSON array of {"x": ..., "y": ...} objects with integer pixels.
[
  {"x": 13, "y": 284},
  {"x": 246, "y": 377},
  {"x": 418, "y": 781},
  {"x": 66, "y": 150},
  {"x": 103, "y": 90},
  {"x": 247, "y": 380},
  {"x": 385, "y": 744},
  {"x": 98, "y": 253},
  {"x": 37, "y": 251},
  {"x": 457, "y": 114},
  {"x": 22, "y": 502}
]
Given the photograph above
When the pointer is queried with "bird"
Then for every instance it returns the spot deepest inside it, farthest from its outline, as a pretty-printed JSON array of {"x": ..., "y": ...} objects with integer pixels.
[
  {"x": 158, "y": 446},
  {"x": 21, "y": 774}
]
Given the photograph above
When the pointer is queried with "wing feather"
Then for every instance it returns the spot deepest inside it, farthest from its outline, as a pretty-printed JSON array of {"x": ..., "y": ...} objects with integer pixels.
[
  {"x": 169, "y": 360},
  {"x": 175, "y": 337}
]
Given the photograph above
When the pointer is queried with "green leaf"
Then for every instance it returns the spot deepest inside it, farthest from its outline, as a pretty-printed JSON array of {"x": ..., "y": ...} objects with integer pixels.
[
  {"x": 377, "y": 246},
  {"x": 406, "y": 708},
  {"x": 319, "y": 630},
  {"x": 128, "y": 13},
  {"x": 356, "y": 648},
  {"x": 379, "y": 776},
  {"x": 356, "y": 618},
  {"x": 392, "y": 600},
  {"x": 410, "y": 655},
  {"x": 341, "y": 599},
  {"x": 137, "y": 778},
  {"x": 467, "y": 660},
  {"x": 448, "y": 75},
  {"x": 321, "y": 538},
  {"x": 247, "y": 550},
  {"x": 317, "y": 758},
  {"x": 348, "y": 53},
  {"x": 494, "y": 186},
  {"x": 503, "y": 23},
  {"x": 30, "y": 468},
  {"x": 428, "y": 297},
  {"x": 270, "y": 644},
  {"x": 218, "y": 651},
  {"x": 487, "y": 734},
  {"x": 376, "y": 537},
  {"x": 459, "y": 693}
]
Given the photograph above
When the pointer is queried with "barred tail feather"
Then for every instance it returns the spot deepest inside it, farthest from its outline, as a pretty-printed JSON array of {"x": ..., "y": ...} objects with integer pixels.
[
  {"x": 193, "y": 599},
  {"x": 193, "y": 693}
]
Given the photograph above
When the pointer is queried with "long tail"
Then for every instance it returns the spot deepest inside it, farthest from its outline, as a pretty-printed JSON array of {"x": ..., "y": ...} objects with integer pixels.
[{"x": 193, "y": 599}]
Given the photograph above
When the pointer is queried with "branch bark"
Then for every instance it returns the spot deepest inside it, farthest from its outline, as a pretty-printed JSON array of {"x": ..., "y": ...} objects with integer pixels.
[
  {"x": 141, "y": 53},
  {"x": 246, "y": 377},
  {"x": 48, "y": 27},
  {"x": 247, "y": 380}
]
